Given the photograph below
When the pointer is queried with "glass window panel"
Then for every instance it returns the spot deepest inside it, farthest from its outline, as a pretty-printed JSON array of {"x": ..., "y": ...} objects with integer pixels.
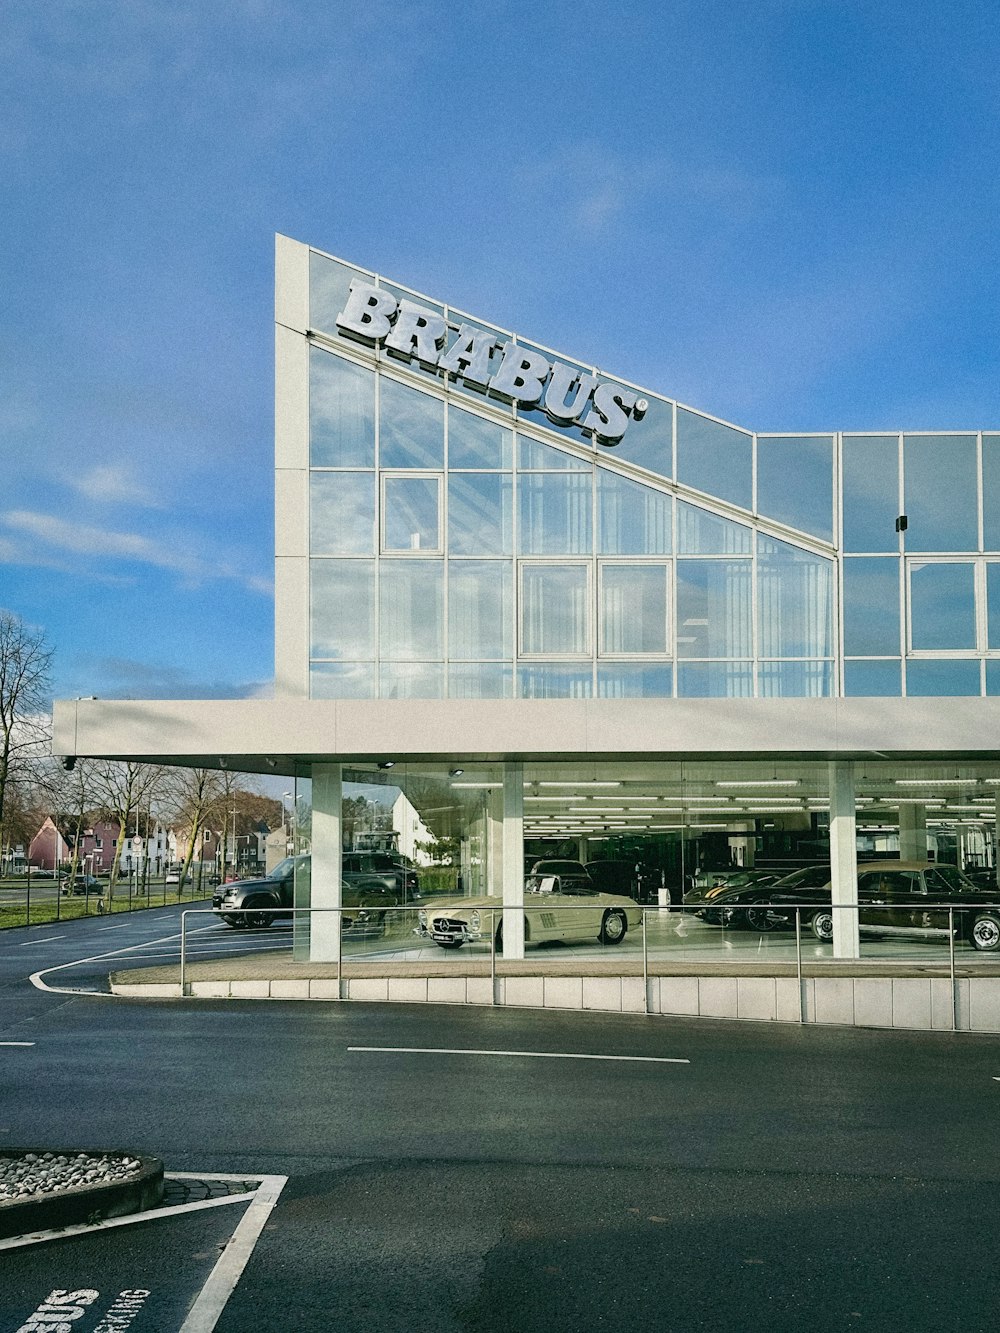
[
  {"x": 411, "y": 427},
  {"x": 795, "y": 680},
  {"x": 714, "y": 608},
  {"x": 411, "y": 514},
  {"x": 477, "y": 443},
  {"x": 341, "y": 412},
  {"x": 649, "y": 442},
  {"x": 632, "y": 519},
  {"x": 993, "y": 605},
  {"x": 941, "y": 493},
  {"x": 411, "y": 680},
  {"x": 554, "y": 680},
  {"x": 342, "y": 680},
  {"x": 480, "y": 611},
  {"x": 532, "y": 454},
  {"x": 871, "y": 606},
  {"x": 480, "y": 680},
  {"x": 714, "y": 458},
  {"x": 329, "y": 286},
  {"x": 554, "y": 514},
  {"x": 634, "y": 680},
  {"x": 794, "y": 601},
  {"x": 948, "y": 676},
  {"x": 633, "y": 609},
  {"x": 342, "y": 615},
  {"x": 991, "y": 492},
  {"x": 342, "y": 513},
  {"x": 993, "y": 677},
  {"x": 795, "y": 481},
  {"x": 554, "y": 609},
  {"x": 881, "y": 680},
  {"x": 715, "y": 680},
  {"x": 871, "y": 492},
  {"x": 480, "y": 513},
  {"x": 411, "y": 609},
  {"x": 942, "y": 606},
  {"x": 702, "y": 533}
]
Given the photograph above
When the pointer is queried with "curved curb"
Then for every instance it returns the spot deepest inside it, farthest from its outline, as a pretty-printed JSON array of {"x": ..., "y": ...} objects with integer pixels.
[{"x": 82, "y": 1203}]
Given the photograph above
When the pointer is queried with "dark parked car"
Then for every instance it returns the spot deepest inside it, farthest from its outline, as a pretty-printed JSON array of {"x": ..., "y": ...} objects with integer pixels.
[
  {"x": 738, "y": 901},
  {"x": 908, "y": 899},
  {"x": 256, "y": 903},
  {"x": 81, "y": 884},
  {"x": 566, "y": 872},
  {"x": 704, "y": 899},
  {"x": 394, "y": 873}
]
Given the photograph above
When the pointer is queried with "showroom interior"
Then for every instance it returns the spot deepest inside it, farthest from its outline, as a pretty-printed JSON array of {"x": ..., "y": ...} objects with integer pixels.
[{"x": 569, "y": 617}]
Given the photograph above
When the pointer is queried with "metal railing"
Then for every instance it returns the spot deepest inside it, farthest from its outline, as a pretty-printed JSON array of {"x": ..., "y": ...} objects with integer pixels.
[{"x": 379, "y": 925}]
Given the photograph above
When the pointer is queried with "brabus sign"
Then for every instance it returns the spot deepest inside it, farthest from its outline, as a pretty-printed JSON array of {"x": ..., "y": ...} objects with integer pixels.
[{"x": 522, "y": 376}]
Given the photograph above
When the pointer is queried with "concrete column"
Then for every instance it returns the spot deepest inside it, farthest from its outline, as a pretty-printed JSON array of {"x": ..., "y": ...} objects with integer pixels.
[
  {"x": 913, "y": 833},
  {"x": 327, "y": 851},
  {"x": 513, "y": 860},
  {"x": 494, "y": 862},
  {"x": 843, "y": 859}
]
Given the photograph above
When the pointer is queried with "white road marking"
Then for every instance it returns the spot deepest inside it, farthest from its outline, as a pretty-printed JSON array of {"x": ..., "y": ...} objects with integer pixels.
[
  {"x": 48, "y": 940},
  {"x": 124, "y": 926},
  {"x": 227, "y": 1272},
  {"x": 536, "y": 1055},
  {"x": 39, "y": 984},
  {"x": 17, "y": 1043}
]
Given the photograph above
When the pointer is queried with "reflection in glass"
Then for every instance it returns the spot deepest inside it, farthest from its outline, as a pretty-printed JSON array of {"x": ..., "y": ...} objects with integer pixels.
[
  {"x": 871, "y": 606},
  {"x": 795, "y": 680},
  {"x": 881, "y": 680},
  {"x": 993, "y": 604},
  {"x": 649, "y": 442},
  {"x": 480, "y": 610},
  {"x": 554, "y": 609},
  {"x": 554, "y": 680},
  {"x": 956, "y": 676},
  {"x": 342, "y": 680},
  {"x": 411, "y": 514},
  {"x": 715, "y": 680},
  {"x": 342, "y": 513},
  {"x": 411, "y": 427},
  {"x": 341, "y": 412},
  {"x": 991, "y": 492},
  {"x": 554, "y": 513},
  {"x": 795, "y": 481},
  {"x": 714, "y": 458},
  {"x": 992, "y": 676},
  {"x": 632, "y": 519},
  {"x": 474, "y": 442},
  {"x": 942, "y": 606},
  {"x": 634, "y": 680},
  {"x": 329, "y": 286},
  {"x": 870, "y": 466},
  {"x": 411, "y": 680},
  {"x": 702, "y": 533},
  {"x": 941, "y": 492},
  {"x": 532, "y": 454},
  {"x": 794, "y": 602},
  {"x": 342, "y": 615},
  {"x": 714, "y": 608},
  {"x": 480, "y": 513},
  {"x": 633, "y": 608},
  {"x": 480, "y": 680},
  {"x": 411, "y": 609}
]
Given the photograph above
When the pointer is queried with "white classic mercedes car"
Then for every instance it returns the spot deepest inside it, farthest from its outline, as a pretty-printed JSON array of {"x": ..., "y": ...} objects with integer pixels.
[{"x": 571, "y": 912}]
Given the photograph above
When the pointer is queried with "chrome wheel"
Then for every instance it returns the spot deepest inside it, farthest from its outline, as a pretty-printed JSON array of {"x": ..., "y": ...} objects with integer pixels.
[
  {"x": 986, "y": 933},
  {"x": 613, "y": 928}
]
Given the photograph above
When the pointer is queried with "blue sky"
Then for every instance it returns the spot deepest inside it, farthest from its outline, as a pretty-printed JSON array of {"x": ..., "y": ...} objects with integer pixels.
[{"x": 784, "y": 214}]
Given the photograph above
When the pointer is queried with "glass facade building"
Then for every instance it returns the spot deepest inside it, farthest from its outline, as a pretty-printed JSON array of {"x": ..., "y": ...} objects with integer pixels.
[{"x": 462, "y": 545}]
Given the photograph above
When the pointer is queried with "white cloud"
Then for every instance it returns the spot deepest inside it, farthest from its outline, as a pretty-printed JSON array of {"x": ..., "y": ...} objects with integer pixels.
[{"x": 112, "y": 484}]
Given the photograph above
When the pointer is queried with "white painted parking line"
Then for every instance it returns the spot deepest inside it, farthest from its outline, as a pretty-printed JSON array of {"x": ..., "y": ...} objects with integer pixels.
[
  {"x": 535, "y": 1055},
  {"x": 17, "y": 1043},
  {"x": 124, "y": 926},
  {"x": 39, "y": 984},
  {"x": 48, "y": 940}
]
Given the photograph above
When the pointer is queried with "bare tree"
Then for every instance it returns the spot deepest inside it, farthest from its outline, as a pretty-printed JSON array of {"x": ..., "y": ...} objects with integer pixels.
[
  {"x": 195, "y": 794},
  {"x": 25, "y": 685},
  {"x": 127, "y": 790}
]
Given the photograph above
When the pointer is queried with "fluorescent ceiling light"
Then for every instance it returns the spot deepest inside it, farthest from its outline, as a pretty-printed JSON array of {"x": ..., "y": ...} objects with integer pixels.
[
  {"x": 486, "y": 786},
  {"x": 941, "y": 782},
  {"x": 764, "y": 782},
  {"x": 581, "y": 783}
]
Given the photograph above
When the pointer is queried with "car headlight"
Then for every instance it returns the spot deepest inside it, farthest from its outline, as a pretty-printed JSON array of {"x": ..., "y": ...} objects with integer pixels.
[{"x": 474, "y": 920}]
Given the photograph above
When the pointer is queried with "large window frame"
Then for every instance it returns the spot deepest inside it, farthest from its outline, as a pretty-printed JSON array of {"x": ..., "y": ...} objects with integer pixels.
[{"x": 390, "y": 475}]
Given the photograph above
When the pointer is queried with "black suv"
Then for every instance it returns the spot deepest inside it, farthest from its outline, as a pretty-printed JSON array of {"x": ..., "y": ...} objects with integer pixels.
[
  {"x": 256, "y": 903},
  {"x": 391, "y": 870}
]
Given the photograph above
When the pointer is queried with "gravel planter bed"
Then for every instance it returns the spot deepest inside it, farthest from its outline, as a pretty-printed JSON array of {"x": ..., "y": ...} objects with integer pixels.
[{"x": 44, "y": 1188}]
